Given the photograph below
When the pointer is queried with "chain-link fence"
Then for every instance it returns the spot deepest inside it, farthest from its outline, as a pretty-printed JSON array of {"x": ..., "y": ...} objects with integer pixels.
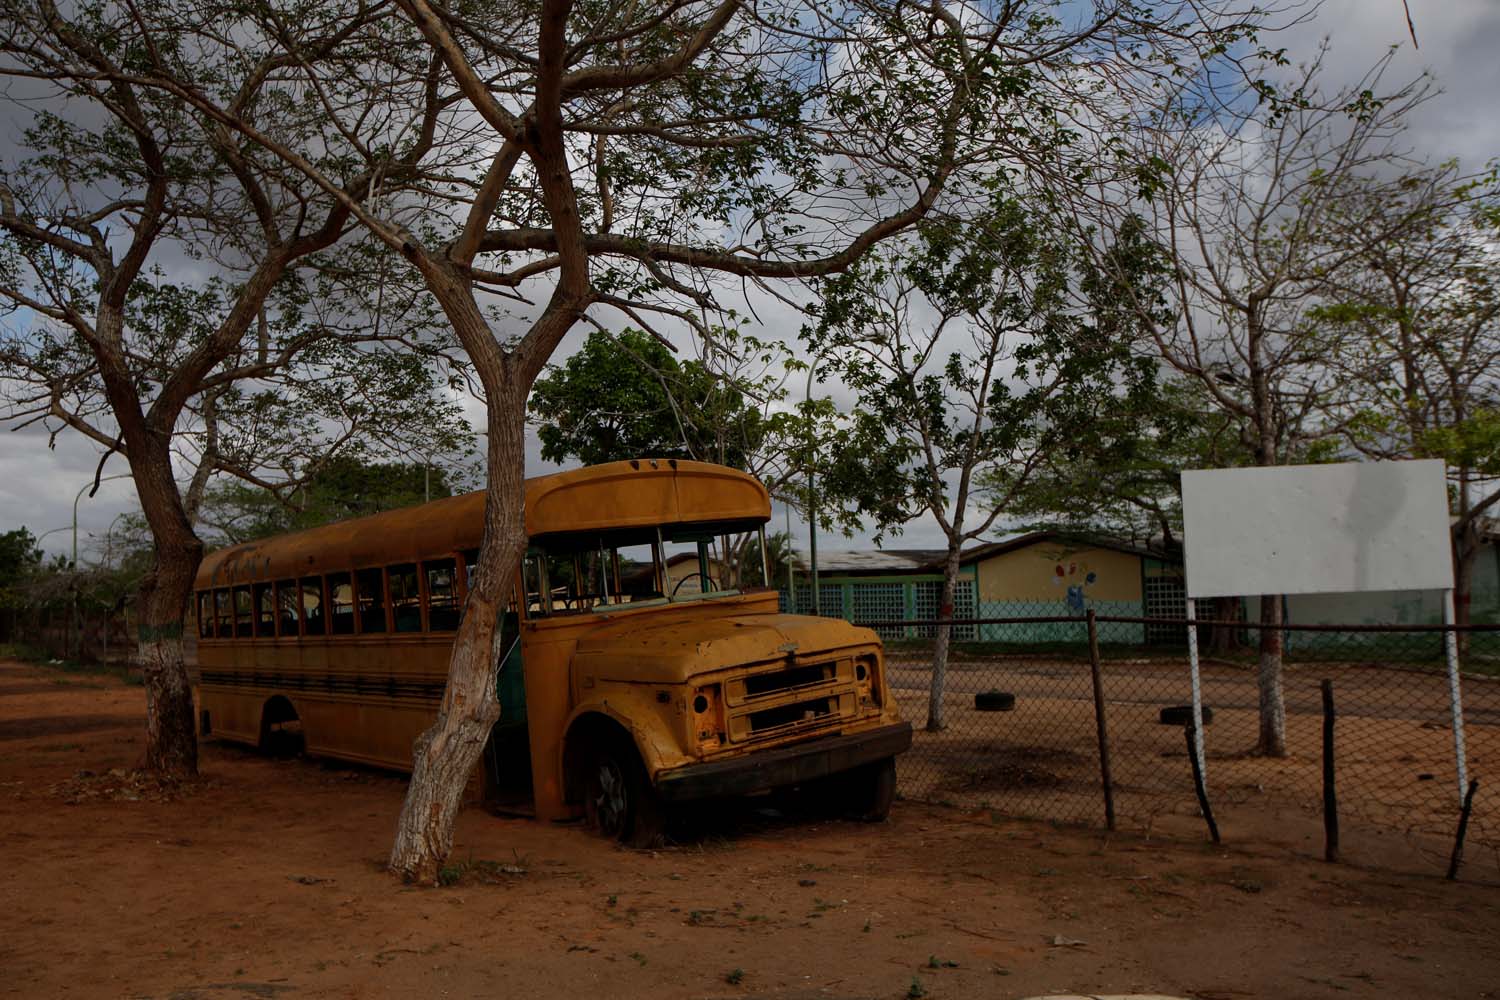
[{"x": 1033, "y": 721}]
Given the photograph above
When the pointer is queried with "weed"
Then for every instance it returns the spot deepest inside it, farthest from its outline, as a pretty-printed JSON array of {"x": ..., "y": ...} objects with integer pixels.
[
  {"x": 734, "y": 976},
  {"x": 933, "y": 962},
  {"x": 611, "y": 899},
  {"x": 638, "y": 957},
  {"x": 916, "y": 991},
  {"x": 482, "y": 870}
]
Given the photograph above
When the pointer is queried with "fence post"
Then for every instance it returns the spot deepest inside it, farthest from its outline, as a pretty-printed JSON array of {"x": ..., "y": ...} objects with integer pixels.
[
  {"x": 1455, "y": 696},
  {"x": 1200, "y": 764},
  {"x": 1463, "y": 829},
  {"x": 1330, "y": 792},
  {"x": 1190, "y": 731},
  {"x": 1099, "y": 726}
]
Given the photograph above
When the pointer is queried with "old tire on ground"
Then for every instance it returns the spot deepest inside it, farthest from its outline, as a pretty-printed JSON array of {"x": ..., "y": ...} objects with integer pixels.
[
  {"x": 1181, "y": 715},
  {"x": 618, "y": 799},
  {"x": 994, "y": 701},
  {"x": 869, "y": 790}
]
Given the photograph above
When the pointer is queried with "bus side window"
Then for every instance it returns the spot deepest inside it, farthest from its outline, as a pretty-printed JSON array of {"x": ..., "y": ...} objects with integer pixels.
[
  {"x": 313, "y": 611},
  {"x": 223, "y": 614},
  {"x": 244, "y": 613},
  {"x": 286, "y": 607},
  {"x": 442, "y": 596},
  {"x": 341, "y": 599},
  {"x": 406, "y": 598},
  {"x": 369, "y": 590},
  {"x": 205, "y": 615},
  {"x": 265, "y": 610}
]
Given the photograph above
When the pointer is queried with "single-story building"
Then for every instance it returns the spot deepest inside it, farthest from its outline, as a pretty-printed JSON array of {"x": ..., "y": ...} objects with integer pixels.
[
  {"x": 1026, "y": 575},
  {"x": 1054, "y": 573}
]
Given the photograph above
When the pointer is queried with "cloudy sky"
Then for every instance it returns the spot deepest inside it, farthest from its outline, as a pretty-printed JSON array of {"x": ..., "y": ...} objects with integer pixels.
[{"x": 1458, "y": 40}]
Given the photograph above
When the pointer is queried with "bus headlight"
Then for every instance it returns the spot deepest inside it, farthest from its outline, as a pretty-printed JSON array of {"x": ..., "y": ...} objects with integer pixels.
[
  {"x": 707, "y": 716},
  {"x": 865, "y": 669}
]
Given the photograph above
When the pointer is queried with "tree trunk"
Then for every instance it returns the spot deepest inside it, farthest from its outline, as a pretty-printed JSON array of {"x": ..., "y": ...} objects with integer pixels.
[
  {"x": 1225, "y": 638},
  {"x": 446, "y": 754},
  {"x": 1272, "y": 741},
  {"x": 936, "y": 720},
  {"x": 1466, "y": 541},
  {"x": 171, "y": 735}
]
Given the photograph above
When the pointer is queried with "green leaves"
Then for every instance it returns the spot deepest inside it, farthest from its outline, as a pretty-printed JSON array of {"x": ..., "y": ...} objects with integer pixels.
[
  {"x": 980, "y": 349},
  {"x": 626, "y": 396}
]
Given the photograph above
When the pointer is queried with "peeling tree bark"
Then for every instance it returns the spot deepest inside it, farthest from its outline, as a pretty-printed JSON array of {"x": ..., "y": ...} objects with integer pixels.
[
  {"x": 446, "y": 754},
  {"x": 936, "y": 717},
  {"x": 1272, "y": 742}
]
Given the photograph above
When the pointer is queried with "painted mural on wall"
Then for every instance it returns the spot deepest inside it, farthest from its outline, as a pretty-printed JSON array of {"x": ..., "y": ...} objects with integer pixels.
[{"x": 1075, "y": 577}]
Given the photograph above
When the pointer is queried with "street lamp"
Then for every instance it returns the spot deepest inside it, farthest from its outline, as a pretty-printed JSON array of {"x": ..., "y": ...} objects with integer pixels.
[
  {"x": 812, "y": 493},
  {"x": 77, "y": 622},
  {"x": 78, "y": 497}
]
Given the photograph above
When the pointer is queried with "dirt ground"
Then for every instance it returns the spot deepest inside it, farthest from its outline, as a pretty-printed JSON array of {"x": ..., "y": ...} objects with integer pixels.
[
  {"x": 1397, "y": 784},
  {"x": 264, "y": 879}
]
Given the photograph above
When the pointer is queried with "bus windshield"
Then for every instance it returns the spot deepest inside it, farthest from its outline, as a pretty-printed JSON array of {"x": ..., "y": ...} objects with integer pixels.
[{"x": 568, "y": 573}]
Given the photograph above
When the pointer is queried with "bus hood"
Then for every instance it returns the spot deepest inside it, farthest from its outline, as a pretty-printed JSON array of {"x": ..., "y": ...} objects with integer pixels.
[{"x": 657, "y": 652}]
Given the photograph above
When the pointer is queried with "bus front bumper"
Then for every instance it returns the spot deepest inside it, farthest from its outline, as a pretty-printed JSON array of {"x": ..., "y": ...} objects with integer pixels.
[{"x": 778, "y": 768}]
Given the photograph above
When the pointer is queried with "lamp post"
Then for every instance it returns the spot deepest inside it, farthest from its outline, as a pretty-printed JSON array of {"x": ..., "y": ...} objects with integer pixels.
[
  {"x": 74, "y": 562},
  {"x": 78, "y": 497},
  {"x": 812, "y": 492}
]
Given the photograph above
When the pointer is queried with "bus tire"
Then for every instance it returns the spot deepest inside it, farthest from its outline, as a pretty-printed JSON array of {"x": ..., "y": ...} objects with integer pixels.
[
  {"x": 618, "y": 800},
  {"x": 871, "y": 790}
]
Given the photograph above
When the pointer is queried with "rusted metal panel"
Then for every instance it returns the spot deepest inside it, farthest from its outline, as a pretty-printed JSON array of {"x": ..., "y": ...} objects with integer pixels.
[
  {"x": 619, "y": 494},
  {"x": 692, "y": 682}
]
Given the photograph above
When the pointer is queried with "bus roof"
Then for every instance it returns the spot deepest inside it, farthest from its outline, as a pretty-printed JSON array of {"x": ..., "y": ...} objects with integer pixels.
[{"x": 635, "y": 494}]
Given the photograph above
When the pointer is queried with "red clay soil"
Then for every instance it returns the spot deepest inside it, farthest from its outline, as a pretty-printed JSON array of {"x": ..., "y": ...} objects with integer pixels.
[{"x": 264, "y": 879}]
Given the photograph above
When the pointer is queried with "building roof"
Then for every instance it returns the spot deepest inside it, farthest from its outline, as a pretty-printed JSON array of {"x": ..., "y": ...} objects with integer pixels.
[
  {"x": 1020, "y": 540},
  {"x": 870, "y": 561},
  {"x": 886, "y": 562}
]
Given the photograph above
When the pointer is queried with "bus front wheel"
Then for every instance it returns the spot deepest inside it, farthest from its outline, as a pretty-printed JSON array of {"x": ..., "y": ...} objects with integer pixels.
[
  {"x": 619, "y": 801},
  {"x": 870, "y": 790}
]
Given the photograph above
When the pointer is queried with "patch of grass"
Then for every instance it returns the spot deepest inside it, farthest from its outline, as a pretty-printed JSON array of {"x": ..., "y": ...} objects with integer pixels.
[
  {"x": 638, "y": 957},
  {"x": 916, "y": 991},
  {"x": 37, "y": 656},
  {"x": 933, "y": 962},
  {"x": 734, "y": 977},
  {"x": 481, "y": 870}
]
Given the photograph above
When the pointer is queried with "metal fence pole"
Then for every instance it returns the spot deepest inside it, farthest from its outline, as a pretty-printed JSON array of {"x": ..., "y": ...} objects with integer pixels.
[
  {"x": 1099, "y": 726},
  {"x": 1199, "y": 762},
  {"x": 1455, "y": 695},
  {"x": 1330, "y": 789}
]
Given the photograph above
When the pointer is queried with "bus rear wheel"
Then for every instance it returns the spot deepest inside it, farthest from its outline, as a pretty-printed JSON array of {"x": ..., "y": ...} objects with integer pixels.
[{"x": 618, "y": 800}]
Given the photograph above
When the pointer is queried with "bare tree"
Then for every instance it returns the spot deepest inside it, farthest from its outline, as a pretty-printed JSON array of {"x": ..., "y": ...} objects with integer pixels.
[
  {"x": 1240, "y": 206},
  {"x": 112, "y": 185},
  {"x": 1420, "y": 321}
]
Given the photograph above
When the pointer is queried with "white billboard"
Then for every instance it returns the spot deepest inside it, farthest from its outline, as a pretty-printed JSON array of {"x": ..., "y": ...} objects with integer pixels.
[{"x": 1316, "y": 529}]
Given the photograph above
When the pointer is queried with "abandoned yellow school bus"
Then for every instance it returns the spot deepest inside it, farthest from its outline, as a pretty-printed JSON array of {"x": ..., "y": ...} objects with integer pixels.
[{"x": 624, "y": 687}]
